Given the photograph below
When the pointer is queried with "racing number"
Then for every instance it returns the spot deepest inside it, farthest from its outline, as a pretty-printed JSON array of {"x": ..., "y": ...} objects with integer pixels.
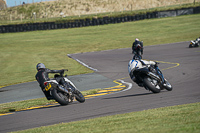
[{"x": 48, "y": 87}]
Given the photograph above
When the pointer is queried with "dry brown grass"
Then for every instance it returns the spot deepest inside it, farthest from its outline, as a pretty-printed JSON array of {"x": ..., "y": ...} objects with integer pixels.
[
  {"x": 51, "y": 9},
  {"x": 82, "y": 7}
]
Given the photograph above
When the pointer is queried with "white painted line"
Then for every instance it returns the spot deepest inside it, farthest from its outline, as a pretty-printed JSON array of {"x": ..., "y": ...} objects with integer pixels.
[{"x": 82, "y": 63}]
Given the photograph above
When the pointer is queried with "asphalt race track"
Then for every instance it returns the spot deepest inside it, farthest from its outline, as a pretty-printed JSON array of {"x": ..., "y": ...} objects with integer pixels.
[{"x": 179, "y": 64}]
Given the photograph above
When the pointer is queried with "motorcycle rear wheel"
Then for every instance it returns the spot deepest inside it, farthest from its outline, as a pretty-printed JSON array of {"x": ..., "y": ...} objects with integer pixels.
[
  {"x": 60, "y": 97},
  {"x": 150, "y": 85}
]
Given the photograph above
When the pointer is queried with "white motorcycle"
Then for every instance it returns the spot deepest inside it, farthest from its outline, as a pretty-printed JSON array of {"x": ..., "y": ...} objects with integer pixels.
[
  {"x": 63, "y": 94},
  {"x": 148, "y": 76},
  {"x": 194, "y": 43}
]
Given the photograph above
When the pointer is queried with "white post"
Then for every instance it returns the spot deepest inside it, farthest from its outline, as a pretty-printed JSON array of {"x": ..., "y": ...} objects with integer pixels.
[{"x": 34, "y": 13}]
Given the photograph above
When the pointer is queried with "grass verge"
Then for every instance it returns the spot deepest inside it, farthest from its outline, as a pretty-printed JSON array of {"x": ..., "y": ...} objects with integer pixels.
[
  {"x": 20, "y": 52},
  {"x": 174, "y": 119}
]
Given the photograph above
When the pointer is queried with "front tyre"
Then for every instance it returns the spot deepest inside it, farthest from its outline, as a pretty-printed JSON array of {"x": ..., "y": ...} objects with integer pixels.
[
  {"x": 60, "y": 97},
  {"x": 168, "y": 86},
  {"x": 79, "y": 96},
  {"x": 151, "y": 85}
]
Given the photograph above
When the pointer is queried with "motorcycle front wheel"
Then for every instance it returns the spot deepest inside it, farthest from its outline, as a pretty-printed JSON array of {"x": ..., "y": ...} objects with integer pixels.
[
  {"x": 60, "y": 97},
  {"x": 168, "y": 86},
  {"x": 79, "y": 96},
  {"x": 148, "y": 82}
]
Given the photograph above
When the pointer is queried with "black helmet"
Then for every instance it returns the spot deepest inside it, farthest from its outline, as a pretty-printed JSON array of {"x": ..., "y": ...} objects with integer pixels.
[{"x": 40, "y": 66}]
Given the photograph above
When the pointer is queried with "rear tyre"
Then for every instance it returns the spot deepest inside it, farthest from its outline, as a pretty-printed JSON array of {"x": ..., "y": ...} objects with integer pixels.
[
  {"x": 151, "y": 85},
  {"x": 60, "y": 97}
]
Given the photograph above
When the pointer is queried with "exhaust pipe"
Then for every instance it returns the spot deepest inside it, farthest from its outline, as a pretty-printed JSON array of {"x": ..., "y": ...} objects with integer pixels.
[
  {"x": 154, "y": 76},
  {"x": 62, "y": 89}
]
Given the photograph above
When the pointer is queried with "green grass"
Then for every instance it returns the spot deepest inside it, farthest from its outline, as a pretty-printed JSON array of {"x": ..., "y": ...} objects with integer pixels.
[
  {"x": 174, "y": 119},
  {"x": 20, "y": 52}
]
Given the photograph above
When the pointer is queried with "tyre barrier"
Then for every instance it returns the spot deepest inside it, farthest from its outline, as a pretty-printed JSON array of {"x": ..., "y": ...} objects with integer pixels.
[{"x": 96, "y": 21}]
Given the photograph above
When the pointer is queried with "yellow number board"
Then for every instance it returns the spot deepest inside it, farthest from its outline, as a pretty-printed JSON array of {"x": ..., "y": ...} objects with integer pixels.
[{"x": 48, "y": 87}]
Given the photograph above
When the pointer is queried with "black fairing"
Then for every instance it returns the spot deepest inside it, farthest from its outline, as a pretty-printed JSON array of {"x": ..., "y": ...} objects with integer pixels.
[{"x": 141, "y": 73}]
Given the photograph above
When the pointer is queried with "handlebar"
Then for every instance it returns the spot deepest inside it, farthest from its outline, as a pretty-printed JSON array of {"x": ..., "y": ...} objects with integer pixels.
[{"x": 63, "y": 70}]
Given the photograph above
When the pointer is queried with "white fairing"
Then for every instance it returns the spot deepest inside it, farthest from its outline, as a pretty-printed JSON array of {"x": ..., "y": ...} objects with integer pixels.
[
  {"x": 52, "y": 80},
  {"x": 66, "y": 79},
  {"x": 192, "y": 41},
  {"x": 134, "y": 64}
]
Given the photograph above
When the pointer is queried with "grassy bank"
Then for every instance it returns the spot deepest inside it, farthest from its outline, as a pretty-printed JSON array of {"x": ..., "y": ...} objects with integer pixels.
[
  {"x": 51, "y": 11},
  {"x": 175, "y": 119},
  {"x": 20, "y": 52}
]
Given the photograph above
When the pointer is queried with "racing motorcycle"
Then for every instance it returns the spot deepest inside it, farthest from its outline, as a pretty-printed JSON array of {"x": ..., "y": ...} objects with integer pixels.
[
  {"x": 194, "y": 43},
  {"x": 138, "y": 50},
  {"x": 63, "y": 94},
  {"x": 148, "y": 76}
]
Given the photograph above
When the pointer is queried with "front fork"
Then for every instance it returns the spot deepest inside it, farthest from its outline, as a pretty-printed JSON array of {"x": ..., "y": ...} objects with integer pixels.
[{"x": 160, "y": 74}]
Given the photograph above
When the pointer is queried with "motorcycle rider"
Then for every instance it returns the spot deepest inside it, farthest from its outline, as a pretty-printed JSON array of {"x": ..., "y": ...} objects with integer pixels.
[
  {"x": 135, "y": 43},
  {"x": 143, "y": 63},
  {"x": 42, "y": 76}
]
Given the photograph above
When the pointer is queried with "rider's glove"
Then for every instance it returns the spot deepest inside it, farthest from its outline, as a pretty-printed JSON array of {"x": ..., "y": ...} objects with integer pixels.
[
  {"x": 156, "y": 64},
  {"x": 62, "y": 71}
]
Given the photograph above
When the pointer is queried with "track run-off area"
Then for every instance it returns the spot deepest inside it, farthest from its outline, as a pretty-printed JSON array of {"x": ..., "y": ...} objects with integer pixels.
[{"x": 179, "y": 64}]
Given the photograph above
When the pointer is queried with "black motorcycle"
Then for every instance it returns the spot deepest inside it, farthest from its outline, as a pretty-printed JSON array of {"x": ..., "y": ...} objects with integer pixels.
[
  {"x": 63, "y": 94},
  {"x": 137, "y": 50},
  {"x": 149, "y": 77}
]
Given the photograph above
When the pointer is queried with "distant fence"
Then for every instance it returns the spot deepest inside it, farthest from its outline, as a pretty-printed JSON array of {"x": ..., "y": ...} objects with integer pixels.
[{"x": 95, "y": 21}]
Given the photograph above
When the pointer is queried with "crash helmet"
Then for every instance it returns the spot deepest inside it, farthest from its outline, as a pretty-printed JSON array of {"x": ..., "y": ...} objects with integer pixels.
[
  {"x": 40, "y": 66},
  {"x": 136, "y": 39}
]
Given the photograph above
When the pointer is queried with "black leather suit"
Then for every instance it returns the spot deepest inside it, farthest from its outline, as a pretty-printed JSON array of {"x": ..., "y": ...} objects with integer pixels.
[
  {"x": 137, "y": 42},
  {"x": 42, "y": 76}
]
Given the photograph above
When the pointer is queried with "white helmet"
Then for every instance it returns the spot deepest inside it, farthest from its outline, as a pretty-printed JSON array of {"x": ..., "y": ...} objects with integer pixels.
[
  {"x": 136, "y": 39},
  {"x": 40, "y": 66}
]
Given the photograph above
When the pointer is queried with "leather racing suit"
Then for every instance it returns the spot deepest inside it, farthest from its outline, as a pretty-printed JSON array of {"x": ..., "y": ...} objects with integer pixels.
[
  {"x": 42, "y": 76},
  {"x": 134, "y": 45}
]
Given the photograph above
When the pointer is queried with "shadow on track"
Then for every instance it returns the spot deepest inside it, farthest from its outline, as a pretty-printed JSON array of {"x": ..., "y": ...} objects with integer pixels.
[{"x": 130, "y": 95}]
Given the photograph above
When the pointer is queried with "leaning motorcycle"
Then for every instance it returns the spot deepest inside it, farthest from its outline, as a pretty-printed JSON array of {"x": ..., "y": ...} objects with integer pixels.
[
  {"x": 148, "y": 76},
  {"x": 194, "y": 43},
  {"x": 63, "y": 94}
]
